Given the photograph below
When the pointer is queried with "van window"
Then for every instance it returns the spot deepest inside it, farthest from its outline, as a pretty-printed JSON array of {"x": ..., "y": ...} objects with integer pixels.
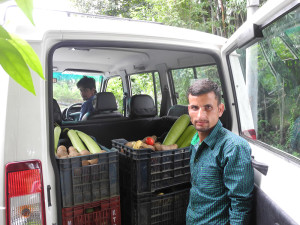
[
  {"x": 115, "y": 85},
  {"x": 147, "y": 83},
  {"x": 183, "y": 78},
  {"x": 270, "y": 75}
]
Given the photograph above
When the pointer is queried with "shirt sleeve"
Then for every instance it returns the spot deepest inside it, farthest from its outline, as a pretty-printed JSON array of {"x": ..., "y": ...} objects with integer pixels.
[
  {"x": 239, "y": 179},
  {"x": 83, "y": 110}
]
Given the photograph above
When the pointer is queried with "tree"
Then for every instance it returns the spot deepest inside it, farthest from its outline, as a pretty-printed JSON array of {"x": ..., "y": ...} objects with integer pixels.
[
  {"x": 16, "y": 55},
  {"x": 221, "y": 17}
]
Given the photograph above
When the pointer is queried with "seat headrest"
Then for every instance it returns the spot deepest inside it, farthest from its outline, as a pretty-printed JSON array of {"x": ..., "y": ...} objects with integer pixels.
[
  {"x": 105, "y": 101},
  {"x": 142, "y": 106},
  {"x": 178, "y": 110}
]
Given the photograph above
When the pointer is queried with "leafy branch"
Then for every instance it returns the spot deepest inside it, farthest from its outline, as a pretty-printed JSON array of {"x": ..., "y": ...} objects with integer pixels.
[{"x": 16, "y": 55}]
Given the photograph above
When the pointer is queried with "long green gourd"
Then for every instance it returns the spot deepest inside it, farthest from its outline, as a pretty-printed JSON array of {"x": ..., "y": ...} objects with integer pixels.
[
  {"x": 76, "y": 141},
  {"x": 57, "y": 131},
  {"x": 92, "y": 146},
  {"x": 187, "y": 140},
  {"x": 177, "y": 129},
  {"x": 186, "y": 137}
]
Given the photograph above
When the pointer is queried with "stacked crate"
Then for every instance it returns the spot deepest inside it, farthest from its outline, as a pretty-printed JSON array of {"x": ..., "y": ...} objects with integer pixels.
[
  {"x": 90, "y": 193},
  {"x": 154, "y": 185}
]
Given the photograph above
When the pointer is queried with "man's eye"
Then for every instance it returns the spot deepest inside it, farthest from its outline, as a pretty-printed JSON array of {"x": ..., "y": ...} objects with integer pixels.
[
  {"x": 208, "y": 108},
  {"x": 195, "y": 108}
]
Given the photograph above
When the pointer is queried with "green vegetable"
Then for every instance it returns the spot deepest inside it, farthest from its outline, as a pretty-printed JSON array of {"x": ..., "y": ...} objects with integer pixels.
[
  {"x": 92, "y": 146},
  {"x": 187, "y": 136},
  {"x": 76, "y": 141},
  {"x": 57, "y": 131},
  {"x": 177, "y": 129}
]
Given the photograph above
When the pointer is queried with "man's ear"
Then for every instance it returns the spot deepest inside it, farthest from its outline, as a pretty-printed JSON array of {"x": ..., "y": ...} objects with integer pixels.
[{"x": 221, "y": 109}]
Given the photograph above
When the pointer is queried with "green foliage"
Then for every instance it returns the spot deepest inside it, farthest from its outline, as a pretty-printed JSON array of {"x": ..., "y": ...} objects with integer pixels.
[
  {"x": 16, "y": 55},
  {"x": 218, "y": 17},
  {"x": 26, "y": 6},
  {"x": 115, "y": 86},
  {"x": 279, "y": 85},
  {"x": 183, "y": 78}
]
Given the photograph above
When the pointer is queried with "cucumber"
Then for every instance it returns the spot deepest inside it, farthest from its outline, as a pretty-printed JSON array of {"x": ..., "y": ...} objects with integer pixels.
[
  {"x": 75, "y": 140},
  {"x": 189, "y": 131},
  {"x": 177, "y": 129},
  {"x": 57, "y": 131},
  {"x": 92, "y": 146},
  {"x": 188, "y": 134}
]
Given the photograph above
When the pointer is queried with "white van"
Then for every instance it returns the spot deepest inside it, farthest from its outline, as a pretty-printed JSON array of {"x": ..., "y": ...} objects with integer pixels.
[{"x": 258, "y": 69}]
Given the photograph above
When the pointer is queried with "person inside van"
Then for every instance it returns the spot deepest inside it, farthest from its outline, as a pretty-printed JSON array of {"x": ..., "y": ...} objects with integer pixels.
[
  {"x": 87, "y": 87},
  {"x": 222, "y": 176}
]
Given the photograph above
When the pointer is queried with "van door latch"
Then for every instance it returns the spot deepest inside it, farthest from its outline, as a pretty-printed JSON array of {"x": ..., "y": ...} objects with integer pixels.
[
  {"x": 48, "y": 195},
  {"x": 261, "y": 167}
]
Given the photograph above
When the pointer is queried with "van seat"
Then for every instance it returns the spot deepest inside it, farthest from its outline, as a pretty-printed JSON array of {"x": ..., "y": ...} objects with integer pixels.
[
  {"x": 141, "y": 106},
  {"x": 105, "y": 106},
  {"x": 178, "y": 110}
]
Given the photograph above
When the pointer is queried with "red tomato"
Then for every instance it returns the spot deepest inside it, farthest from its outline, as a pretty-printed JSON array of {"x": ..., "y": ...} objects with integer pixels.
[{"x": 149, "y": 141}]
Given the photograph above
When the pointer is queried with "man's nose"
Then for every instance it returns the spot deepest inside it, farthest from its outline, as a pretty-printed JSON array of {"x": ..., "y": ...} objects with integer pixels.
[{"x": 201, "y": 112}]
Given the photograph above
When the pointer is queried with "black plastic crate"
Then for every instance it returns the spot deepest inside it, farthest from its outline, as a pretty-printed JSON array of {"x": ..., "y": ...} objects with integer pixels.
[
  {"x": 86, "y": 184},
  {"x": 145, "y": 170},
  {"x": 158, "y": 208}
]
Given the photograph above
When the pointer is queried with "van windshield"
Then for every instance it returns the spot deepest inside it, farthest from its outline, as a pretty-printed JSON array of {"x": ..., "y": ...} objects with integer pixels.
[
  {"x": 270, "y": 72},
  {"x": 65, "y": 90}
]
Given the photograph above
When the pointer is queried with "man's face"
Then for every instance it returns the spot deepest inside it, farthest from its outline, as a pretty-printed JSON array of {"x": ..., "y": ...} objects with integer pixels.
[
  {"x": 205, "y": 112},
  {"x": 86, "y": 93}
]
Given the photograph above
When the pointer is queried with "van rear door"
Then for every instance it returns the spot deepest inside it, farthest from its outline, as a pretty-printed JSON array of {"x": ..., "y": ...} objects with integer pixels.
[{"x": 262, "y": 59}]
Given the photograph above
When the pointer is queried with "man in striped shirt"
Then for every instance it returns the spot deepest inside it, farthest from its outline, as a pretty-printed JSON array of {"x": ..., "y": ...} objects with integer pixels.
[{"x": 222, "y": 177}]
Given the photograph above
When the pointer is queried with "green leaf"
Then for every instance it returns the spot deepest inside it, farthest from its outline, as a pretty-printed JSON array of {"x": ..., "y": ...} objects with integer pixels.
[
  {"x": 13, "y": 63},
  {"x": 26, "y": 6},
  {"x": 29, "y": 55},
  {"x": 4, "y": 34}
]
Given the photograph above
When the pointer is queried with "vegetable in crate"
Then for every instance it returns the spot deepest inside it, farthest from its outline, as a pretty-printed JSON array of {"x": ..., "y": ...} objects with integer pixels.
[
  {"x": 159, "y": 147},
  {"x": 150, "y": 141},
  {"x": 177, "y": 129},
  {"x": 137, "y": 144},
  {"x": 62, "y": 152},
  {"x": 187, "y": 136},
  {"x": 92, "y": 146},
  {"x": 73, "y": 152},
  {"x": 57, "y": 131},
  {"x": 75, "y": 140}
]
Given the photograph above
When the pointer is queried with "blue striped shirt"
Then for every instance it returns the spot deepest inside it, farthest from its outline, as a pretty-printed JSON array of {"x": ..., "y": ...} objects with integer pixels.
[{"x": 222, "y": 179}]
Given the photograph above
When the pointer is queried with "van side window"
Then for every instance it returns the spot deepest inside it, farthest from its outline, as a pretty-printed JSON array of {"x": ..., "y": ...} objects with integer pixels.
[
  {"x": 115, "y": 85},
  {"x": 183, "y": 78},
  {"x": 147, "y": 83},
  {"x": 267, "y": 75}
]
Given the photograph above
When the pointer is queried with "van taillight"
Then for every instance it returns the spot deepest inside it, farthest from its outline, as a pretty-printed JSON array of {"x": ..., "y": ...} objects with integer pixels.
[
  {"x": 24, "y": 194},
  {"x": 250, "y": 133}
]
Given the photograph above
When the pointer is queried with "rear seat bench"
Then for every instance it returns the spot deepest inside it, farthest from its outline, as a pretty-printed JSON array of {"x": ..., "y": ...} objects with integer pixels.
[{"x": 142, "y": 121}]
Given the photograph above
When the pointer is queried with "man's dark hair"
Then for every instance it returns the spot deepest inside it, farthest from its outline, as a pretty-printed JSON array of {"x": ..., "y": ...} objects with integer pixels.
[
  {"x": 86, "y": 82},
  {"x": 204, "y": 86}
]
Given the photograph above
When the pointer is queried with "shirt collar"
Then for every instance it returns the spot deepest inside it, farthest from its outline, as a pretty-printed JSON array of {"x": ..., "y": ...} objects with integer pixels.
[{"x": 211, "y": 139}]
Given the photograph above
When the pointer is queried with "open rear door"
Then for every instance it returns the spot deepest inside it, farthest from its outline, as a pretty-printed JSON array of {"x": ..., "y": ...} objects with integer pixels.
[{"x": 262, "y": 59}]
